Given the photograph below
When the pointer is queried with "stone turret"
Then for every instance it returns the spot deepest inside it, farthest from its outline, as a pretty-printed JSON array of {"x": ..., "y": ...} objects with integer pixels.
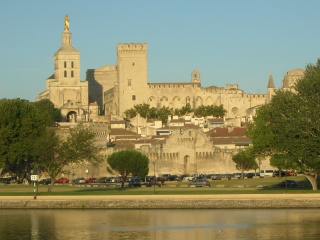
[
  {"x": 271, "y": 88},
  {"x": 271, "y": 84},
  {"x": 196, "y": 77}
]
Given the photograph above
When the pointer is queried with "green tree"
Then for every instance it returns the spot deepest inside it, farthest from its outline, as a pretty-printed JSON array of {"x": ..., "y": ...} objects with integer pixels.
[
  {"x": 130, "y": 113},
  {"x": 142, "y": 109},
  {"x": 21, "y": 125},
  {"x": 48, "y": 111},
  {"x": 245, "y": 160},
  {"x": 129, "y": 162},
  {"x": 55, "y": 154},
  {"x": 184, "y": 110},
  {"x": 210, "y": 110},
  {"x": 289, "y": 125}
]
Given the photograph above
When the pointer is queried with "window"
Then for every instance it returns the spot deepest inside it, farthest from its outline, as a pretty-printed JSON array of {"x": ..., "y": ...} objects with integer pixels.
[
  {"x": 133, "y": 63},
  {"x": 65, "y": 74},
  {"x": 65, "y": 64},
  {"x": 129, "y": 82},
  {"x": 72, "y": 74},
  {"x": 72, "y": 64},
  {"x": 133, "y": 97}
]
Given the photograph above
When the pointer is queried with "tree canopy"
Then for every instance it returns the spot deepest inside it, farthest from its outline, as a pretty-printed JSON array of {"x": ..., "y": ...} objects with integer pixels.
[
  {"x": 22, "y": 125},
  {"x": 288, "y": 128},
  {"x": 129, "y": 162},
  {"x": 145, "y": 111},
  {"x": 55, "y": 154},
  {"x": 245, "y": 160}
]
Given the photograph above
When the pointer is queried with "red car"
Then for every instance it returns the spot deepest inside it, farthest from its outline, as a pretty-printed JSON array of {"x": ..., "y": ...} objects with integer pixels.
[
  {"x": 62, "y": 181},
  {"x": 91, "y": 180}
]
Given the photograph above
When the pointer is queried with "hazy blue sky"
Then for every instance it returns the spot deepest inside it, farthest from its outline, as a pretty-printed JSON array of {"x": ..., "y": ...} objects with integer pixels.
[{"x": 230, "y": 41}]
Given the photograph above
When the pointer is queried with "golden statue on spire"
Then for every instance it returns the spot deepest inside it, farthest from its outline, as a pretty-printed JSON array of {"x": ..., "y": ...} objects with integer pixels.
[{"x": 67, "y": 24}]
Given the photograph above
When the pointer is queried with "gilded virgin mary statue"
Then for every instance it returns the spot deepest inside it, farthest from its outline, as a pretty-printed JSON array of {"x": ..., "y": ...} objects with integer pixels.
[{"x": 67, "y": 24}]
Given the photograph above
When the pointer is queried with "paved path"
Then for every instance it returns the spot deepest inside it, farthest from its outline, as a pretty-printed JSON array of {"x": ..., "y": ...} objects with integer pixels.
[
  {"x": 313, "y": 196},
  {"x": 231, "y": 201}
]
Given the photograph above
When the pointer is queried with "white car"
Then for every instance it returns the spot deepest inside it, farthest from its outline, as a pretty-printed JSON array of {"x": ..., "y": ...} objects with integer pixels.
[{"x": 266, "y": 173}]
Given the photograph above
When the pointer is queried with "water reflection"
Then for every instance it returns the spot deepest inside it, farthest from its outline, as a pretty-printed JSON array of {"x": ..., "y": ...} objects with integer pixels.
[{"x": 159, "y": 224}]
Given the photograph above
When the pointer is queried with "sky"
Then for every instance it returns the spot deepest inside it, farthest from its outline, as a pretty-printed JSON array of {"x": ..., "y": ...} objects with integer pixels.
[{"x": 229, "y": 41}]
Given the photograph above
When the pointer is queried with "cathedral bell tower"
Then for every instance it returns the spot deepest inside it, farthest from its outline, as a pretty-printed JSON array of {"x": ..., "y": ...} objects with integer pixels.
[{"x": 67, "y": 59}]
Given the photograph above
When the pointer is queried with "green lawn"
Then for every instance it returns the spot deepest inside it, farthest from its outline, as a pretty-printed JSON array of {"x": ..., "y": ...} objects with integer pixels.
[{"x": 233, "y": 186}]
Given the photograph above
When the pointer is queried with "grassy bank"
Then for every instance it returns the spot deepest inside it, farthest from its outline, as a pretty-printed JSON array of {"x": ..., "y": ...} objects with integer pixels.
[{"x": 234, "y": 186}]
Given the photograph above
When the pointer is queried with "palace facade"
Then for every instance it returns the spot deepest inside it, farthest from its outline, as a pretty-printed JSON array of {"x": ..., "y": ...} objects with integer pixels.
[{"x": 112, "y": 89}]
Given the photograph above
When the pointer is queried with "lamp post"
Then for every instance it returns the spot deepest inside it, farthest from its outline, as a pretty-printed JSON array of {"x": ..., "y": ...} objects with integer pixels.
[{"x": 154, "y": 176}]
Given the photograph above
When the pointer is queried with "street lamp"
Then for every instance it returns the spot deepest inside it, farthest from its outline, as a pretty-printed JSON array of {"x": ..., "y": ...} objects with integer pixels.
[{"x": 154, "y": 176}]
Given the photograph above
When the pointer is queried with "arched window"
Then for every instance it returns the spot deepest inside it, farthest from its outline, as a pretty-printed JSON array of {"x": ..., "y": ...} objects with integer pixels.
[
  {"x": 72, "y": 74},
  {"x": 65, "y": 64},
  {"x": 65, "y": 74},
  {"x": 72, "y": 64}
]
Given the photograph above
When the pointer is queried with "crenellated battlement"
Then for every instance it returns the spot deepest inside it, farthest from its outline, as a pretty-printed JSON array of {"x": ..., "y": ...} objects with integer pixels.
[{"x": 124, "y": 48}]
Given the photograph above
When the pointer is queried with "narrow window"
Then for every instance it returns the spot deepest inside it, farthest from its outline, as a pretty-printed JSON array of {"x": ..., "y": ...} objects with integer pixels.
[
  {"x": 133, "y": 97},
  {"x": 72, "y": 64},
  {"x": 129, "y": 82},
  {"x": 65, "y": 74},
  {"x": 65, "y": 64},
  {"x": 72, "y": 74},
  {"x": 133, "y": 63}
]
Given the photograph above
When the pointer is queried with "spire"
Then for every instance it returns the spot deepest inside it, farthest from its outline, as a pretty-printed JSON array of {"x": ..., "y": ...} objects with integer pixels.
[
  {"x": 66, "y": 35},
  {"x": 271, "y": 82}
]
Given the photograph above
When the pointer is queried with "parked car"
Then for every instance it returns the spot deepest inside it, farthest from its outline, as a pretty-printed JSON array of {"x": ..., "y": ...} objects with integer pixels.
[
  {"x": 62, "y": 180},
  {"x": 173, "y": 178},
  {"x": 151, "y": 181},
  {"x": 187, "y": 178},
  {"x": 103, "y": 180},
  {"x": 249, "y": 175},
  {"x": 200, "y": 182},
  {"x": 287, "y": 184},
  {"x": 91, "y": 180},
  {"x": 80, "y": 180},
  {"x": 45, "y": 181},
  {"x": 236, "y": 176},
  {"x": 216, "y": 177},
  {"x": 134, "y": 182},
  {"x": 8, "y": 180},
  {"x": 266, "y": 173}
]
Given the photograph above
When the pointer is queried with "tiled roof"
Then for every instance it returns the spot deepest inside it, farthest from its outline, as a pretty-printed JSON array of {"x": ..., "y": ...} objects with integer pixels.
[
  {"x": 227, "y": 132},
  {"x": 120, "y": 131},
  {"x": 231, "y": 140}
]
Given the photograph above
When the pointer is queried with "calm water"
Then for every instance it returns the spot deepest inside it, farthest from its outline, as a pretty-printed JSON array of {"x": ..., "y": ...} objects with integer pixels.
[{"x": 159, "y": 224}]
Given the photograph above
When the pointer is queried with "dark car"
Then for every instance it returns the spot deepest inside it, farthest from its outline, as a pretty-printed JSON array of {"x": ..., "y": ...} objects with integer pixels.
[
  {"x": 216, "y": 177},
  {"x": 152, "y": 181},
  {"x": 45, "y": 181},
  {"x": 103, "y": 180},
  {"x": 200, "y": 182},
  {"x": 80, "y": 180},
  {"x": 249, "y": 175},
  {"x": 134, "y": 182},
  {"x": 287, "y": 184}
]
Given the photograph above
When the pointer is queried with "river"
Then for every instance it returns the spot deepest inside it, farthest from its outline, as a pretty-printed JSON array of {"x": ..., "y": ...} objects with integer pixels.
[{"x": 159, "y": 224}]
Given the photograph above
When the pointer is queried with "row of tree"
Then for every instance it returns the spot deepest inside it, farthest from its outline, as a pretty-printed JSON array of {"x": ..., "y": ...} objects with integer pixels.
[
  {"x": 287, "y": 130},
  {"x": 145, "y": 111},
  {"x": 29, "y": 142}
]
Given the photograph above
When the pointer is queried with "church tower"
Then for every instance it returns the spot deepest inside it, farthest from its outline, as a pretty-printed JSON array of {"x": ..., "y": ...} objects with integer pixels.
[
  {"x": 67, "y": 59},
  {"x": 64, "y": 88}
]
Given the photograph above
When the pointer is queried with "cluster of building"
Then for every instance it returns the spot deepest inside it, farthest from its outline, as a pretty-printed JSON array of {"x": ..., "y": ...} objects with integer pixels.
[{"x": 187, "y": 145}]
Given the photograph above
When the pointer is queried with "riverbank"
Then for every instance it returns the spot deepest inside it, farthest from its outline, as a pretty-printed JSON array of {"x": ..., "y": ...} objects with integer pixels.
[{"x": 228, "y": 201}]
